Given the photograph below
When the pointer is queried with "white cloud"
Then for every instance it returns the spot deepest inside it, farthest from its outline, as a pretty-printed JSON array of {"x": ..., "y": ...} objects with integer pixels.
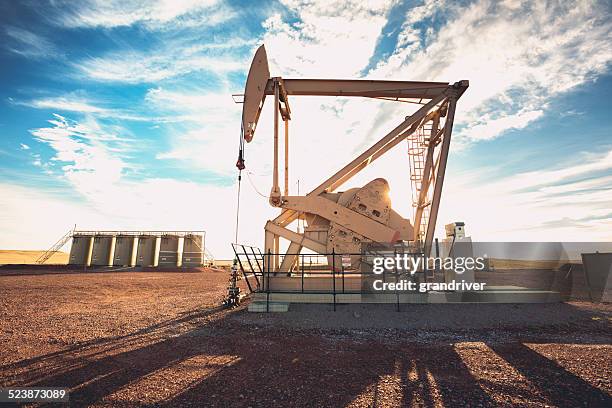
[
  {"x": 517, "y": 57},
  {"x": 172, "y": 61},
  {"x": 331, "y": 38},
  {"x": 75, "y": 102},
  {"x": 488, "y": 128},
  {"x": 571, "y": 203},
  {"x": 153, "y": 14},
  {"x": 206, "y": 132},
  {"x": 153, "y": 204},
  {"x": 90, "y": 153},
  {"x": 69, "y": 104},
  {"x": 29, "y": 44},
  {"x": 97, "y": 173}
]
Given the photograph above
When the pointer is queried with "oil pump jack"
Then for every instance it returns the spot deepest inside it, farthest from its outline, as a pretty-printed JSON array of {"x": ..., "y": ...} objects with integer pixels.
[{"x": 343, "y": 222}]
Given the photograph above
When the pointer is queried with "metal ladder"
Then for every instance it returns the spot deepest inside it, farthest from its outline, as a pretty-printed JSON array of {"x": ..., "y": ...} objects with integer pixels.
[
  {"x": 55, "y": 248},
  {"x": 418, "y": 143}
]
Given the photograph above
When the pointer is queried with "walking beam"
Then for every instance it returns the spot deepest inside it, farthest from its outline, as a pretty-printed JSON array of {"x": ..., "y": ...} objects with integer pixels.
[{"x": 360, "y": 87}]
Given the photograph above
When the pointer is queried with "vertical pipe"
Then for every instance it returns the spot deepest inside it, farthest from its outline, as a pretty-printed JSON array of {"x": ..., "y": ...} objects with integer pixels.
[
  {"x": 286, "y": 157},
  {"x": 89, "y": 252},
  {"x": 134, "y": 252},
  {"x": 111, "y": 250},
  {"x": 334, "y": 275},
  {"x": 179, "y": 251},
  {"x": 156, "y": 251},
  {"x": 275, "y": 193},
  {"x": 269, "y": 247},
  {"x": 268, "y": 288}
]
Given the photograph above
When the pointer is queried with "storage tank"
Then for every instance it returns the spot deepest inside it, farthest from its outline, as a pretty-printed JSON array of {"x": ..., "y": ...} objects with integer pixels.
[
  {"x": 169, "y": 250},
  {"x": 103, "y": 250},
  {"x": 148, "y": 250},
  {"x": 193, "y": 250},
  {"x": 126, "y": 249},
  {"x": 81, "y": 250}
]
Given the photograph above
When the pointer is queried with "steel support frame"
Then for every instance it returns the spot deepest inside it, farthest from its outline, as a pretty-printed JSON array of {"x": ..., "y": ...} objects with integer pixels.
[{"x": 442, "y": 101}]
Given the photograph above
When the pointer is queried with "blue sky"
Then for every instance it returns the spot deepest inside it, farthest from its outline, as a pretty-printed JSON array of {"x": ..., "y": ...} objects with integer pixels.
[{"x": 118, "y": 114}]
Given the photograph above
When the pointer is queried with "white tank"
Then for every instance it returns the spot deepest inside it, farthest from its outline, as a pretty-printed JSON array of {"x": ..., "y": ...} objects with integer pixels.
[
  {"x": 80, "y": 251},
  {"x": 103, "y": 250},
  {"x": 148, "y": 250},
  {"x": 169, "y": 250},
  {"x": 193, "y": 250},
  {"x": 126, "y": 248}
]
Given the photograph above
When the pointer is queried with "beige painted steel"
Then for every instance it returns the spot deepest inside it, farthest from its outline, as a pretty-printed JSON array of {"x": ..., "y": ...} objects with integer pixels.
[
  {"x": 103, "y": 249},
  {"x": 193, "y": 250},
  {"x": 293, "y": 236},
  {"x": 286, "y": 190},
  {"x": 494, "y": 294},
  {"x": 439, "y": 180},
  {"x": 362, "y": 215},
  {"x": 126, "y": 249},
  {"x": 147, "y": 251},
  {"x": 179, "y": 253},
  {"x": 80, "y": 251},
  {"x": 361, "y": 87},
  {"x": 275, "y": 193},
  {"x": 350, "y": 219},
  {"x": 111, "y": 251},
  {"x": 254, "y": 93}
]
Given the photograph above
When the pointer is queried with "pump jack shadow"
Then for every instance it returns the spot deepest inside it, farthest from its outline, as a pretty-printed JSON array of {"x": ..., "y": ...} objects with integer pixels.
[{"x": 243, "y": 366}]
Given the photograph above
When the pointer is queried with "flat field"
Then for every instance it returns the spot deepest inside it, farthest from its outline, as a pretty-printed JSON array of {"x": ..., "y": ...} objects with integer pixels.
[
  {"x": 10, "y": 256},
  {"x": 160, "y": 339}
]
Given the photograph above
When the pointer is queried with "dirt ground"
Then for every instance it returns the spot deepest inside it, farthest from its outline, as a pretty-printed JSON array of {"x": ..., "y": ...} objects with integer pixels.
[{"x": 160, "y": 339}]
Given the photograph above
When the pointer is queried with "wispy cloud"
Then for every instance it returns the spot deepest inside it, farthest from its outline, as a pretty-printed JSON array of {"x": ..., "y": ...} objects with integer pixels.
[
  {"x": 153, "y": 14},
  {"x": 91, "y": 159},
  {"x": 152, "y": 67},
  {"x": 89, "y": 152},
  {"x": 67, "y": 104},
  {"x": 29, "y": 44},
  {"x": 76, "y": 103},
  {"x": 518, "y": 55}
]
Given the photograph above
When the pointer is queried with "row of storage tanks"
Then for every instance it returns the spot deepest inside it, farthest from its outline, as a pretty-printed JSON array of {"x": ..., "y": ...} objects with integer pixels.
[{"x": 137, "y": 250}]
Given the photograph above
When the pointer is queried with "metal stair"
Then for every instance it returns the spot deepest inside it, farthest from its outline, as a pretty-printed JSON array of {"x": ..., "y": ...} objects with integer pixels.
[{"x": 55, "y": 248}]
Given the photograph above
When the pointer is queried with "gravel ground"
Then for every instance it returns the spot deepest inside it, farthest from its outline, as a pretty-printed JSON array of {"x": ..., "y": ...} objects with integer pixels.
[{"x": 160, "y": 339}]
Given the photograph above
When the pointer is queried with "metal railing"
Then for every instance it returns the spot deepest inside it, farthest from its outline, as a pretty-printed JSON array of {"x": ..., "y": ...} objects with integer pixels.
[
  {"x": 137, "y": 233},
  {"x": 250, "y": 261},
  {"x": 333, "y": 268},
  {"x": 55, "y": 248}
]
